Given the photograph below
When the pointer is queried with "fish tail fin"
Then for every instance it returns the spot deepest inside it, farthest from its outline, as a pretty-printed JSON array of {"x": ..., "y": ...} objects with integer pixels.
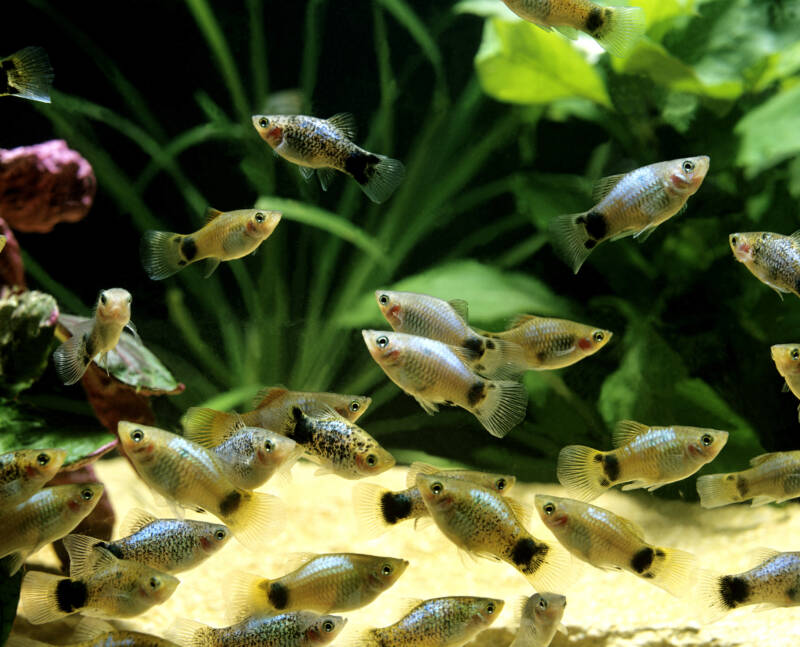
[
  {"x": 545, "y": 565},
  {"x": 500, "y": 405},
  {"x": 570, "y": 240},
  {"x": 375, "y": 509},
  {"x": 377, "y": 175},
  {"x": 501, "y": 359},
  {"x": 246, "y": 594},
  {"x": 71, "y": 359},
  {"x": 29, "y": 74},
  {"x": 717, "y": 594},
  {"x": 717, "y": 490},
  {"x": 47, "y": 597},
  {"x": 160, "y": 252},
  {"x": 208, "y": 427},
  {"x": 672, "y": 570},
  {"x": 366, "y": 638},
  {"x": 189, "y": 633},
  {"x": 253, "y": 517},
  {"x": 580, "y": 470},
  {"x": 623, "y": 28}
]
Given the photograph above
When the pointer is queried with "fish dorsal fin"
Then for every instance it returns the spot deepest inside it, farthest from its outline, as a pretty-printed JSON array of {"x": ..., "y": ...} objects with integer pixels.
[
  {"x": 762, "y": 458},
  {"x": 762, "y": 554},
  {"x": 604, "y": 185},
  {"x": 404, "y": 606},
  {"x": 795, "y": 236},
  {"x": 521, "y": 511},
  {"x": 103, "y": 560},
  {"x": 626, "y": 431},
  {"x": 211, "y": 213},
  {"x": 418, "y": 467},
  {"x": 135, "y": 520},
  {"x": 82, "y": 555},
  {"x": 268, "y": 396},
  {"x": 461, "y": 307},
  {"x": 518, "y": 320},
  {"x": 631, "y": 527},
  {"x": 344, "y": 122}
]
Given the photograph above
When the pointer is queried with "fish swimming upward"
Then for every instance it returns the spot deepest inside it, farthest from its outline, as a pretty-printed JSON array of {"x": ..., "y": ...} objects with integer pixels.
[
  {"x": 225, "y": 237},
  {"x": 772, "y": 258},
  {"x": 631, "y": 204},
  {"x": 540, "y": 619},
  {"x": 325, "y": 145},
  {"x": 27, "y": 74},
  {"x": 617, "y": 29}
]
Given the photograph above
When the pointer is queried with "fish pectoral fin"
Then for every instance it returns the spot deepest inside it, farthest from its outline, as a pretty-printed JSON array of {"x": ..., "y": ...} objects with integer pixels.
[
  {"x": 643, "y": 234},
  {"x": 655, "y": 486},
  {"x": 325, "y": 176},
  {"x": 762, "y": 500},
  {"x": 211, "y": 265},
  {"x": 306, "y": 172},
  {"x": 429, "y": 407},
  {"x": 132, "y": 330}
]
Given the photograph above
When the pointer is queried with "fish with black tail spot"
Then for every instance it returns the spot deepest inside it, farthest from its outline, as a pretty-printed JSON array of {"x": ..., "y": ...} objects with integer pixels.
[
  {"x": 325, "y": 145},
  {"x": 772, "y": 258},
  {"x": 631, "y": 204},
  {"x": 26, "y": 74}
]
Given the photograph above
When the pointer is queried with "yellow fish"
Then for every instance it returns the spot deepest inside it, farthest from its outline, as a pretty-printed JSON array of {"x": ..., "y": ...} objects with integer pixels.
[
  {"x": 2, "y": 242},
  {"x": 24, "y": 472},
  {"x": 646, "y": 457},
  {"x": 773, "y": 478},
  {"x": 617, "y": 29},
  {"x": 329, "y": 583},
  {"x": 191, "y": 476},
  {"x": 540, "y": 619},
  {"x": 630, "y": 204},
  {"x": 225, "y": 237},
  {"x": 325, "y": 145},
  {"x": 26, "y": 74},
  {"x": 772, "y": 258},
  {"x": 787, "y": 361},
  {"x": 103, "y": 587},
  {"x": 112, "y": 315},
  {"x": 605, "y": 540},
  {"x": 550, "y": 343},
  {"x": 435, "y": 373}
]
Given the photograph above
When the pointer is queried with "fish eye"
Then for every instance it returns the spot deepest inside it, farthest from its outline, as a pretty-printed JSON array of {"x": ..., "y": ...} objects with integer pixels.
[
  {"x": 764, "y": 236},
  {"x": 382, "y": 341},
  {"x": 43, "y": 459},
  {"x": 707, "y": 439},
  {"x": 137, "y": 435},
  {"x": 354, "y": 406},
  {"x": 549, "y": 508},
  {"x": 688, "y": 166},
  {"x": 734, "y": 239},
  {"x": 87, "y": 494},
  {"x": 130, "y": 299},
  {"x": 542, "y": 604},
  {"x": 268, "y": 446},
  {"x": 598, "y": 336},
  {"x": 103, "y": 298},
  {"x": 437, "y": 488},
  {"x": 154, "y": 583},
  {"x": 327, "y": 626},
  {"x": 263, "y": 122},
  {"x": 490, "y": 608},
  {"x": 795, "y": 353},
  {"x": 219, "y": 535},
  {"x": 371, "y": 460},
  {"x": 383, "y": 299},
  {"x": 259, "y": 217},
  {"x": 500, "y": 484},
  {"x": 387, "y": 569}
]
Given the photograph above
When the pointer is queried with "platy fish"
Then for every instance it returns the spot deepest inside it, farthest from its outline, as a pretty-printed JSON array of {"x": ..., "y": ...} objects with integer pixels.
[
  {"x": 291, "y": 629},
  {"x": 378, "y": 509},
  {"x": 112, "y": 315},
  {"x": 329, "y": 583},
  {"x": 168, "y": 545},
  {"x": 617, "y": 29},
  {"x": 435, "y": 373},
  {"x": 540, "y": 619},
  {"x": 26, "y": 74},
  {"x": 47, "y": 515},
  {"x": 101, "y": 639},
  {"x": 438, "y": 622},
  {"x": 773, "y": 478},
  {"x": 326, "y": 145},
  {"x": 192, "y": 477},
  {"x": 225, "y": 237},
  {"x": 607, "y": 541},
  {"x": 549, "y": 343},
  {"x": 102, "y": 587},
  {"x": 775, "y": 582},
  {"x": 772, "y": 258},
  {"x": 646, "y": 457},
  {"x": 272, "y": 408},
  {"x": 630, "y": 204},
  {"x": 24, "y": 472},
  {"x": 486, "y": 524},
  {"x": 446, "y": 321},
  {"x": 787, "y": 361}
]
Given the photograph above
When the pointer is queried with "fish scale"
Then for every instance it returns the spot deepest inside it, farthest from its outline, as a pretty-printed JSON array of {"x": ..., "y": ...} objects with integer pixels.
[{"x": 773, "y": 258}]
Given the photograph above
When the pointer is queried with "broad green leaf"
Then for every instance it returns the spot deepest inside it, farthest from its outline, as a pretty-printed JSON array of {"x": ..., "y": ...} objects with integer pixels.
[
  {"x": 661, "y": 15},
  {"x": 770, "y": 133},
  {"x": 419, "y": 32},
  {"x": 493, "y": 296},
  {"x": 521, "y": 63}
]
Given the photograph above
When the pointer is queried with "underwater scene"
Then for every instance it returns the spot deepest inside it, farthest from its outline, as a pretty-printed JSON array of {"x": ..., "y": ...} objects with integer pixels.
[{"x": 398, "y": 323}]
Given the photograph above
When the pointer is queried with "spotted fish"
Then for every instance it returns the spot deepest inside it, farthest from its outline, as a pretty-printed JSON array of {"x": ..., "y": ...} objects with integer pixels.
[{"x": 773, "y": 259}]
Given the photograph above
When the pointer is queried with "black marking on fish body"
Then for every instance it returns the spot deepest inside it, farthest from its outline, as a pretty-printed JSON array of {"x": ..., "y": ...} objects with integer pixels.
[
  {"x": 302, "y": 432},
  {"x": 476, "y": 393},
  {"x": 278, "y": 595},
  {"x": 230, "y": 503},
  {"x": 475, "y": 345},
  {"x": 490, "y": 344},
  {"x": 71, "y": 595},
  {"x": 741, "y": 486},
  {"x": 594, "y": 20},
  {"x": 733, "y": 590},
  {"x": 6, "y": 68},
  {"x": 590, "y": 244},
  {"x": 395, "y": 507},
  {"x": 188, "y": 248},
  {"x": 605, "y": 482},
  {"x": 596, "y": 225},
  {"x": 358, "y": 165},
  {"x": 642, "y": 560},
  {"x": 524, "y": 552},
  {"x": 112, "y": 548},
  {"x": 611, "y": 466}
]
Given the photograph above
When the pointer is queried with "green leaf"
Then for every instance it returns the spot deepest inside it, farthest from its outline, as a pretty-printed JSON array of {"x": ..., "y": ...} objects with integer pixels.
[
  {"x": 662, "y": 15},
  {"x": 770, "y": 133},
  {"x": 521, "y": 63},
  {"x": 419, "y": 32}
]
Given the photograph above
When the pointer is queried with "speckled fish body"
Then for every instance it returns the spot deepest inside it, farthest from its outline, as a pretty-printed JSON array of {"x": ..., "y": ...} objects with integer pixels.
[
  {"x": 438, "y": 622},
  {"x": 550, "y": 343},
  {"x": 633, "y": 204},
  {"x": 605, "y": 540},
  {"x": 772, "y": 258},
  {"x": 24, "y": 472},
  {"x": 330, "y": 583},
  {"x": 47, "y": 515},
  {"x": 484, "y": 523},
  {"x": 539, "y": 620},
  {"x": 646, "y": 457},
  {"x": 775, "y": 582},
  {"x": 104, "y": 639},
  {"x": 773, "y": 478},
  {"x": 26, "y": 74},
  {"x": 251, "y": 456},
  {"x": 435, "y": 373}
]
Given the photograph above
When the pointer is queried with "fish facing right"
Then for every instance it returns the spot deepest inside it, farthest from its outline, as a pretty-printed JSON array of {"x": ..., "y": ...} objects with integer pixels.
[
  {"x": 773, "y": 259},
  {"x": 630, "y": 204},
  {"x": 26, "y": 74}
]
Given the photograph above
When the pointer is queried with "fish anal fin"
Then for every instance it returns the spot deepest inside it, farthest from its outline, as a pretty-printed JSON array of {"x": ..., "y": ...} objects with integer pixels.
[
  {"x": 626, "y": 431},
  {"x": 461, "y": 307},
  {"x": 268, "y": 396},
  {"x": 211, "y": 265},
  {"x": 569, "y": 32},
  {"x": 306, "y": 172},
  {"x": 211, "y": 213},
  {"x": 325, "y": 176},
  {"x": 344, "y": 122},
  {"x": 429, "y": 407},
  {"x": 785, "y": 388},
  {"x": 604, "y": 185}
]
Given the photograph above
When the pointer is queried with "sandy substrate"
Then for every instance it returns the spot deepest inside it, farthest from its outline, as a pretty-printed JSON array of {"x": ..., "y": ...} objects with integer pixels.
[{"x": 604, "y": 609}]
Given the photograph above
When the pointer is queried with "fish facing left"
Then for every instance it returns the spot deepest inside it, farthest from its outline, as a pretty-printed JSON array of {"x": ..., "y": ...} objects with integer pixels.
[
  {"x": 326, "y": 145},
  {"x": 225, "y": 236},
  {"x": 26, "y": 74},
  {"x": 540, "y": 619},
  {"x": 772, "y": 258}
]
